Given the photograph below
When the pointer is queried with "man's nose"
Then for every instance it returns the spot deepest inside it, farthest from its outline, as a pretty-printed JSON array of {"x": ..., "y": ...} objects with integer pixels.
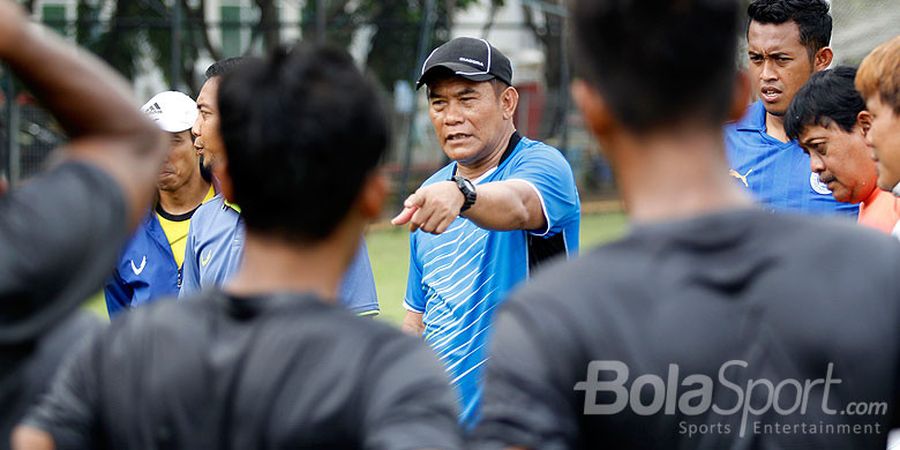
[{"x": 768, "y": 71}]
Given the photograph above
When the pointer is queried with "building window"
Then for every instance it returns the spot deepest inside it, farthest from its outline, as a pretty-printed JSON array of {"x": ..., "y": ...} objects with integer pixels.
[
  {"x": 231, "y": 31},
  {"x": 54, "y": 16}
]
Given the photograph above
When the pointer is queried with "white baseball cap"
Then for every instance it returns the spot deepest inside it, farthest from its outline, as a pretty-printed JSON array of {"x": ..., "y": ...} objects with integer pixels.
[{"x": 172, "y": 111}]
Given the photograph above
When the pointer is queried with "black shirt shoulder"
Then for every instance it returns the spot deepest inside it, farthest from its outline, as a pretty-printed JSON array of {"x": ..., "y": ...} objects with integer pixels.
[
  {"x": 271, "y": 371},
  {"x": 789, "y": 295},
  {"x": 59, "y": 235}
]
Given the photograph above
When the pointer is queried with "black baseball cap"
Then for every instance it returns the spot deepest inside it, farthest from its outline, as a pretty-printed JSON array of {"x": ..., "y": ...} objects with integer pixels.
[{"x": 470, "y": 58}]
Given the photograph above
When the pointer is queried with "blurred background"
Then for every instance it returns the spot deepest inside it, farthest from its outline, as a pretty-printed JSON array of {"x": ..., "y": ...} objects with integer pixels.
[{"x": 168, "y": 44}]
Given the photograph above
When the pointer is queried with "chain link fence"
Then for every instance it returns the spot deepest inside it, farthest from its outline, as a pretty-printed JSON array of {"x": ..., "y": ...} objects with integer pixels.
[{"x": 28, "y": 134}]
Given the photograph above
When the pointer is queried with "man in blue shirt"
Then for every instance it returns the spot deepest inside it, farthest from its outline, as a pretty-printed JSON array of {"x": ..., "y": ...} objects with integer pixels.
[
  {"x": 150, "y": 266},
  {"x": 787, "y": 42},
  {"x": 215, "y": 242},
  {"x": 482, "y": 224}
]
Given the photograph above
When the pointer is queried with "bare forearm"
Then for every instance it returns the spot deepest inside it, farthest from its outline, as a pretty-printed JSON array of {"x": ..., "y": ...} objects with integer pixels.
[
  {"x": 507, "y": 205},
  {"x": 85, "y": 95},
  {"x": 91, "y": 102}
]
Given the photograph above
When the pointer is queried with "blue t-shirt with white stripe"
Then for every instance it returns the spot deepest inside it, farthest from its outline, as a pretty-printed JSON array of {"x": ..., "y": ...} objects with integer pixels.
[{"x": 459, "y": 278}]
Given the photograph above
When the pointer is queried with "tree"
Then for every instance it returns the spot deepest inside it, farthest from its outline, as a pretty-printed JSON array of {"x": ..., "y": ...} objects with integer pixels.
[{"x": 550, "y": 33}]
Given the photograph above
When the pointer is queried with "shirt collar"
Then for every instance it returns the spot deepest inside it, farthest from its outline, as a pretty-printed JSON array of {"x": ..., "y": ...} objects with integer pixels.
[
  {"x": 510, "y": 146},
  {"x": 231, "y": 205},
  {"x": 754, "y": 119}
]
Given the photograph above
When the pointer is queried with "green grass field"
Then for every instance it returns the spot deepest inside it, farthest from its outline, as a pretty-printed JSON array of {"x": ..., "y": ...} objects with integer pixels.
[{"x": 389, "y": 253}]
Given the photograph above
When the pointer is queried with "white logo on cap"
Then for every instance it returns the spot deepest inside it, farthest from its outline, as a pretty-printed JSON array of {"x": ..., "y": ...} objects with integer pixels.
[{"x": 471, "y": 61}]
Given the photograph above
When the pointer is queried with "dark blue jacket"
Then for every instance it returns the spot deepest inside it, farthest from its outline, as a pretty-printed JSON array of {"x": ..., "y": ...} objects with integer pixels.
[{"x": 146, "y": 271}]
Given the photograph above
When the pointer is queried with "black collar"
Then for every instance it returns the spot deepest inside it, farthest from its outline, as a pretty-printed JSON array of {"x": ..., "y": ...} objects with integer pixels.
[
  {"x": 174, "y": 217},
  {"x": 513, "y": 142}
]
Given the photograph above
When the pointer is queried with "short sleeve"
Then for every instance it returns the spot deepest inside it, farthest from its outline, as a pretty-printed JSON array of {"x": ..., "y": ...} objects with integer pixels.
[
  {"x": 524, "y": 404},
  {"x": 60, "y": 236},
  {"x": 69, "y": 411},
  {"x": 190, "y": 269},
  {"x": 408, "y": 403},
  {"x": 415, "y": 295},
  {"x": 550, "y": 175},
  {"x": 357, "y": 290}
]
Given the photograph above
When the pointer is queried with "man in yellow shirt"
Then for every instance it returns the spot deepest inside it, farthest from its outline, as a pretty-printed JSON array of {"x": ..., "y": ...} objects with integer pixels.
[{"x": 150, "y": 266}]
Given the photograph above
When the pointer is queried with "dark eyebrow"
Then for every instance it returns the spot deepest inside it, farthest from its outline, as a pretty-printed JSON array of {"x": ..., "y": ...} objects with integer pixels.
[{"x": 462, "y": 92}]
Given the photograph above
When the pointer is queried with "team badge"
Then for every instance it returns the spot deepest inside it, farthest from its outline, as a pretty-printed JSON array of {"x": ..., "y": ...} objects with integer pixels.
[{"x": 817, "y": 185}]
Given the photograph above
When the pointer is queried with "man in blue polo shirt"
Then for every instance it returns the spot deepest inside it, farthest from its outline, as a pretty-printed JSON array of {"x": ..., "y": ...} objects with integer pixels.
[
  {"x": 485, "y": 222},
  {"x": 215, "y": 242},
  {"x": 787, "y": 42},
  {"x": 150, "y": 266}
]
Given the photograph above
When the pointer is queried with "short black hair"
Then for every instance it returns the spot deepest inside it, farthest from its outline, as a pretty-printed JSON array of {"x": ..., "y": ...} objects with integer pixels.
[
  {"x": 225, "y": 66},
  {"x": 302, "y": 131},
  {"x": 811, "y": 17},
  {"x": 659, "y": 61},
  {"x": 828, "y": 97}
]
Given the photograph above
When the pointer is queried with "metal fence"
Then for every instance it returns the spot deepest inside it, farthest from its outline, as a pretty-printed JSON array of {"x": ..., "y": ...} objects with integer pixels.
[
  {"x": 182, "y": 52},
  {"x": 545, "y": 112}
]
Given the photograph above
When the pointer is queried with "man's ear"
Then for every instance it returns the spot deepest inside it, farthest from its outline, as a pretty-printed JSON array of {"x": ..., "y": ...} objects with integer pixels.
[
  {"x": 597, "y": 114},
  {"x": 864, "y": 121},
  {"x": 739, "y": 96},
  {"x": 509, "y": 100},
  {"x": 372, "y": 195},
  {"x": 823, "y": 59}
]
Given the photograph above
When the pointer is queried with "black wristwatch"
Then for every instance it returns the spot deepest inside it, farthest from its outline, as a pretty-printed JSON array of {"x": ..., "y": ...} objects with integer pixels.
[{"x": 468, "y": 190}]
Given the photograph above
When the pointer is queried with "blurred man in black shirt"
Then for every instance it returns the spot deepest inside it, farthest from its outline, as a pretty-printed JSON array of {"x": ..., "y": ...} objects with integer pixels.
[
  {"x": 60, "y": 232},
  {"x": 270, "y": 360},
  {"x": 712, "y": 324}
]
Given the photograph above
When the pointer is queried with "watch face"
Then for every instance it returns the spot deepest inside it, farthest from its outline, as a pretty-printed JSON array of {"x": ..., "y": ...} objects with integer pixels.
[{"x": 469, "y": 185}]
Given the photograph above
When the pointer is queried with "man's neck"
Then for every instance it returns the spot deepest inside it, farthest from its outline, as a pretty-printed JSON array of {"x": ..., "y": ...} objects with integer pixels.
[
  {"x": 186, "y": 198},
  {"x": 274, "y": 265},
  {"x": 775, "y": 127},
  {"x": 676, "y": 175},
  {"x": 480, "y": 167}
]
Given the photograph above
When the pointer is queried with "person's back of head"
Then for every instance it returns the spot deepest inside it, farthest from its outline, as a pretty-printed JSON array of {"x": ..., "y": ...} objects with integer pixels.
[
  {"x": 829, "y": 97},
  {"x": 811, "y": 16},
  {"x": 658, "y": 62},
  {"x": 302, "y": 131}
]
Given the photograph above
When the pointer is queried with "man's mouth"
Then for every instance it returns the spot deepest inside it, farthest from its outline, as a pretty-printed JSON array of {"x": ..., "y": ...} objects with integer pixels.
[
  {"x": 457, "y": 137},
  {"x": 770, "y": 94}
]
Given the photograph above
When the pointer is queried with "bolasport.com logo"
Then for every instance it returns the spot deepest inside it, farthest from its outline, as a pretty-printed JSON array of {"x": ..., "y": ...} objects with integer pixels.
[{"x": 692, "y": 395}]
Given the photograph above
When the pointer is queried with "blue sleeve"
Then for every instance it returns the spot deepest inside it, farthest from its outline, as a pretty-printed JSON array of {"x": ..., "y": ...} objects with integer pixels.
[
  {"x": 415, "y": 295},
  {"x": 357, "y": 290},
  {"x": 190, "y": 270},
  {"x": 118, "y": 294},
  {"x": 550, "y": 175}
]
